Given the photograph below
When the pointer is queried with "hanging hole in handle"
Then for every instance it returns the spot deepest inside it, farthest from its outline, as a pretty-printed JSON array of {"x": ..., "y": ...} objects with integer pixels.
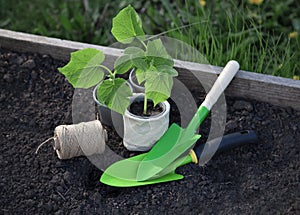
[{"x": 245, "y": 132}]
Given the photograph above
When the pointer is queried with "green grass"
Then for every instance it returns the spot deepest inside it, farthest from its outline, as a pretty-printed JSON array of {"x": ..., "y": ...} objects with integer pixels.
[{"x": 255, "y": 35}]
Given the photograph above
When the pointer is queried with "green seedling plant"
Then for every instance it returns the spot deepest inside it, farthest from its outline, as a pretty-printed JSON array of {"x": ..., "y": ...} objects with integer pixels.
[{"x": 152, "y": 64}]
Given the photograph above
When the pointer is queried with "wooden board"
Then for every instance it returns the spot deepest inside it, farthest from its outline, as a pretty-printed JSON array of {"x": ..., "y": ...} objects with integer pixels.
[{"x": 275, "y": 90}]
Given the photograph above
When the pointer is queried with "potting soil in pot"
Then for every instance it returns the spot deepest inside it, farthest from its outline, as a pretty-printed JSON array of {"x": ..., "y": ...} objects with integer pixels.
[
  {"x": 136, "y": 108},
  {"x": 35, "y": 98}
]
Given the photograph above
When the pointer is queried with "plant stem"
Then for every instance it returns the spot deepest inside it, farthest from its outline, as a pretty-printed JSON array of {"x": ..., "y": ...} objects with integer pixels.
[
  {"x": 145, "y": 104},
  {"x": 112, "y": 75},
  {"x": 143, "y": 43}
]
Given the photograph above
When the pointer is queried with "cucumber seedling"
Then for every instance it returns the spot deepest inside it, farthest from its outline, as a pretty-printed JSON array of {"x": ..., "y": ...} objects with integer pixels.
[{"x": 149, "y": 58}]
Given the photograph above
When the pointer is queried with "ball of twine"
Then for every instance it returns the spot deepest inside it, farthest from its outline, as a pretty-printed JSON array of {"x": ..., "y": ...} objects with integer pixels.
[{"x": 86, "y": 138}]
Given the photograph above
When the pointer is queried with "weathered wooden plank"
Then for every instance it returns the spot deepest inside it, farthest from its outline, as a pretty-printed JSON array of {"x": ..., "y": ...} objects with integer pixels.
[
  {"x": 275, "y": 90},
  {"x": 56, "y": 48}
]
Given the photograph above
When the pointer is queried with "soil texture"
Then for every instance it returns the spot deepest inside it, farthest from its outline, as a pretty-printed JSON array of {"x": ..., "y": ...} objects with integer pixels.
[
  {"x": 137, "y": 108},
  {"x": 35, "y": 98}
]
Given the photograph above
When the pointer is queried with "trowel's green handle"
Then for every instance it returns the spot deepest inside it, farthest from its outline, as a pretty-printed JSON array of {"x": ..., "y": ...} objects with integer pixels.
[{"x": 225, "y": 77}]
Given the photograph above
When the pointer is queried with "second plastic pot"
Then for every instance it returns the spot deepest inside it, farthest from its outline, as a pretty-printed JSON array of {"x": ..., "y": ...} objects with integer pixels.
[
  {"x": 133, "y": 82},
  {"x": 109, "y": 117},
  {"x": 141, "y": 133}
]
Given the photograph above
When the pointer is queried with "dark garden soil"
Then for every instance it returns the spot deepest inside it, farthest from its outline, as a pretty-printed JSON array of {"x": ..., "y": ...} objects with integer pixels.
[
  {"x": 34, "y": 99},
  {"x": 137, "y": 108}
]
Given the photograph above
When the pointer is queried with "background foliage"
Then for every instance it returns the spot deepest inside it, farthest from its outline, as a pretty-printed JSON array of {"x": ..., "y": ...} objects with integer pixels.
[{"x": 262, "y": 35}]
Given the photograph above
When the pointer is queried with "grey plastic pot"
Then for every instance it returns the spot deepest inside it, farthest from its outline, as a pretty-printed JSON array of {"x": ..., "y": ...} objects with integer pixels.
[
  {"x": 109, "y": 117},
  {"x": 141, "y": 133},
  {"x": 133, "y": 82}
]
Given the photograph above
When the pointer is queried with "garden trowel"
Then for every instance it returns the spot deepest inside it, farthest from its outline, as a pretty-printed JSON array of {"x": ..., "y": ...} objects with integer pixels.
[
  {"x": 123, "y": 173},
  {"x": 177, "y": 141}
]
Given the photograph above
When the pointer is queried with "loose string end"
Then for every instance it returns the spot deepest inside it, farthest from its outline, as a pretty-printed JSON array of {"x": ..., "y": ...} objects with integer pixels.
[{"x": 46, "y": 141}]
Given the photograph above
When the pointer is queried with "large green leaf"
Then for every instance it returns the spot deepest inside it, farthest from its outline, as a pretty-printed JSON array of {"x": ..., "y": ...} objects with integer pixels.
[
  {"x": 83, "y": 70},
  {"x": 132, "y": 57},
  {"x": 159, "y": 82},
  {"x": 127, "y": 25},
  {"x": 115, "y": 94},
  {"x": 122, "y": 64},
  {"x": 157, "y": 54},
  {"x": 140, "y": 75},
  {"x": 137, "y": 57}
]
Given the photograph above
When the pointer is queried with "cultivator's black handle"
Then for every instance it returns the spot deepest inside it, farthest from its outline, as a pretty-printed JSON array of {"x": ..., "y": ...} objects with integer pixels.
[{"x": 228, "y": 141}]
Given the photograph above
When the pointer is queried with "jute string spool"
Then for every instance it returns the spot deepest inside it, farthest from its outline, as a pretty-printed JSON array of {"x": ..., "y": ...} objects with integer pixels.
[{"x": 86, "y": 138}]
